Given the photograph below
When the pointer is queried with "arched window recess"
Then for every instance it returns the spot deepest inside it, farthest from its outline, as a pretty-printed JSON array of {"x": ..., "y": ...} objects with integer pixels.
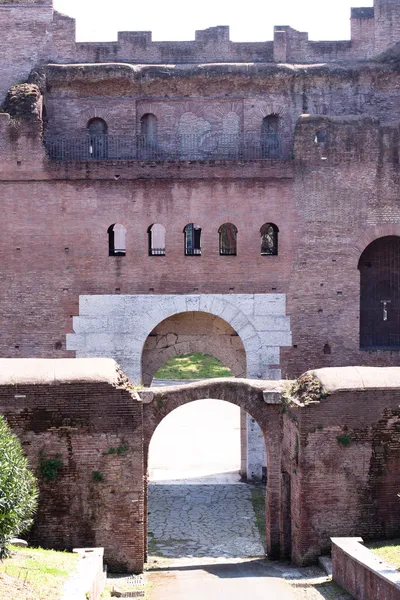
[
  {"x": 379, "y": 268},
  {"x": 228, "y": 239},
  {"x": 269, "y": 239},
  {"x": 98, "y": 144},
  {"x": 156, "y": 233},
  {"x": 271, "y": 143},
  {"x": 192, "y": 234},
  {"x": 116, "y": 240}
]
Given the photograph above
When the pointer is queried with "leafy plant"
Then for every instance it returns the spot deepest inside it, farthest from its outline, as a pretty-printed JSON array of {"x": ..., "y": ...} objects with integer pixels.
[
  {"x": 18, "y": 488},
  {"x": 97, "y": 476},
  {"x": 119, "y": 450},
  {"x": 344, "y": 440},
  {"x": 49, "y": 467}
]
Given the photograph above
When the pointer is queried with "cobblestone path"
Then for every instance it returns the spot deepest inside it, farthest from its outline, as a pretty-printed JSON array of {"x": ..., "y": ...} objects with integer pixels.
[
  {"x": 201, "y": 542},
  {"x": 202, "y": 520}
]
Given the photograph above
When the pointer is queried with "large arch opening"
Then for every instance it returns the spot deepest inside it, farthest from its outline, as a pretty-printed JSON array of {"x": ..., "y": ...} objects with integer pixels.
[
  {"x": 198, "y": 507},
  {"x": 193, "y": 332},
  {"x": 379, "y": 267}
]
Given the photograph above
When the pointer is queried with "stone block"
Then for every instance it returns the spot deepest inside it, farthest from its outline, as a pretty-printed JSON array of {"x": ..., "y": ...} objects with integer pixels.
[
  {"x": 269, "y": 304},
  {"x": 271, "y": 323}
]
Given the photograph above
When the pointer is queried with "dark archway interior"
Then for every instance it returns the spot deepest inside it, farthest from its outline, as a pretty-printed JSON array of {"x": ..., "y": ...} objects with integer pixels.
[{"x": 379, "y": 268}]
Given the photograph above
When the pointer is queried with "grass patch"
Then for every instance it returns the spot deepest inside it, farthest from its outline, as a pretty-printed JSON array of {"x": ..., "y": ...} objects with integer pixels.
[
  {"x": 193, "y": 366},
  {"x": 389, "y": 551},
  {"x": 35, "y": 574},
  {"x": 258, "y": 502}
]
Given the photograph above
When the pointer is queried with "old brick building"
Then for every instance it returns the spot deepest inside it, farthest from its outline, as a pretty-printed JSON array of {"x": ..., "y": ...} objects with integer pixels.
[{"x": 164, "y": 197}]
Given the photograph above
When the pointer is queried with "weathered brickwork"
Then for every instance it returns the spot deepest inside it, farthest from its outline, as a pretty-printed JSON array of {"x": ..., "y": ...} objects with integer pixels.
[
  {"x": 300, "y": 135},
  {"x": 332, "y": 465},
  {"x": 343, "y": 460},
  {"x": 75, "y": 416}
]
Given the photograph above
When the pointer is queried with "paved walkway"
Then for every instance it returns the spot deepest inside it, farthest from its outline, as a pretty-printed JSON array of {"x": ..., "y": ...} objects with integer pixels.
[
  {"x": 255, "y": 580},
  {"x": 203, "y": 520},
  {"x": 204, "y": 543}
]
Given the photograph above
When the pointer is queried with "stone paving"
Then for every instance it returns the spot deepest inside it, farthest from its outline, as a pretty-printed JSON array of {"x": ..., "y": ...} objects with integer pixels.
[
  {"x": 200, "y": 532},
  {"x": 203, "y": 520}
]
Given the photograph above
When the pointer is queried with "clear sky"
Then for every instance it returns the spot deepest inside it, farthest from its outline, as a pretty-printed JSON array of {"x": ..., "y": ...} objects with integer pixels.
[{"x": 252, "y": 20}]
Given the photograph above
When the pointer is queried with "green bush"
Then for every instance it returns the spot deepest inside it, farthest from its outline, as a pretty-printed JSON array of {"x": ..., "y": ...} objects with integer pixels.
[{"x": 18, "y": 491}]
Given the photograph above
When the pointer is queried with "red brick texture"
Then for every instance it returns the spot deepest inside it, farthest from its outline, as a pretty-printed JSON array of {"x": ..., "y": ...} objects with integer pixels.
[
  {"x": 332, "y": 465},
  {"x": 78, "y": 424},
  {"x": 343, "y": 458}
]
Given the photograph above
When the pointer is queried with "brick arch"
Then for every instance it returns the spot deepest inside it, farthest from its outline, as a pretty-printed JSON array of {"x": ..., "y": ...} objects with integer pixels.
[
  {"x": 249, "y": 397},
  {"x": 371, "y": 234},
  {"x": 96, "y": 113},
  {"x": 184, "y": 334}
]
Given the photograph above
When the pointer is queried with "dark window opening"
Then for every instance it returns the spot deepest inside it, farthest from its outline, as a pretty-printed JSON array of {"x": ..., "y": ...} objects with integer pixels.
[
  {"x": 98, "y": 143},
  {"x": 116, "y": 240},
  {"x": 322, "y": 137},
  {"x": 271, "y": 137},
  {"x": 227, "y": 239},
  {"x": 156, "y": 234},
  {"x": 269, "y": 239},
  {"x": 379, "y": 268},
  {"x": 147, "y": 140},
  {"x": 192, "y": 240}
]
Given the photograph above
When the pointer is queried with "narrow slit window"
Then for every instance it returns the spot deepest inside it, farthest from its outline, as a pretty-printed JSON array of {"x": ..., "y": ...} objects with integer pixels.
[
  {"x": 227, "y": 239},
  {"x": 156, "y": 240},
  {"x": 192, "y": 240},
  {"x": 269, "y": 239},
  {"x": 116, "y": 240}
]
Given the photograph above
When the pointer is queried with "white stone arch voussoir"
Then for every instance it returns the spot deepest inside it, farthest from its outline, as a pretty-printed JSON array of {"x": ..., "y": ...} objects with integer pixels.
[
  {"x": 117, "y": 326},
  {"x": 218, "y": 306}
]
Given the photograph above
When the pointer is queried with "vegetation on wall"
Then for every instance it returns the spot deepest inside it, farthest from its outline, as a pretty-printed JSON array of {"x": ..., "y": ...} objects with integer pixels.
[
  {"x": 49, "y": 467},
  {"x": 18, "y": 489},
  {"x": 307, "y": 389}
]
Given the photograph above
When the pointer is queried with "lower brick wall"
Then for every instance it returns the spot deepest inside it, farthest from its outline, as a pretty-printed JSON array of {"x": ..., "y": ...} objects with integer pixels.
[
  {"x": 96, "y": 498},
  {"x": 361, "y": 573},
  {"x": 332, "y": 464}
]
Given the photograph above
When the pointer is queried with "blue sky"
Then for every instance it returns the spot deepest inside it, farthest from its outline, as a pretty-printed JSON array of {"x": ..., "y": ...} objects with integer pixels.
[{"x": 178, "y": 19}]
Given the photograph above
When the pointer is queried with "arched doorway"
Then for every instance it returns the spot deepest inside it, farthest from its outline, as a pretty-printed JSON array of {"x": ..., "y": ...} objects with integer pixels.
[
  {"x": 379, "y": 267},
  {"x": 193, "y": 332},
  {"x": 199, "y": 507},
  {"x": 178, "y": 452},
  {"x": 123, "y": 327}
]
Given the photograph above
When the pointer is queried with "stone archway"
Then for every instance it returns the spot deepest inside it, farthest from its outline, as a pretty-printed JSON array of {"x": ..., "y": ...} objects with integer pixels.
[
  {"x": 160, "y": 402},
  {"x": 117, "y": 326}
]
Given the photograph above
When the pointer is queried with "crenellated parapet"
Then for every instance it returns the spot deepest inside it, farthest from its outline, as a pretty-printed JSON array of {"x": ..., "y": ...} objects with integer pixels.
[{"x": 35, "y": 34}]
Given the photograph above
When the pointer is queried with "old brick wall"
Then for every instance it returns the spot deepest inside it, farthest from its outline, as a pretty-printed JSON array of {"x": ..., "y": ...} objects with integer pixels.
[
  {"x": 344, "y": 203},
  {"x": 344, "y": 468},
  {"x": 78, "y": 423},
  {"x": 324, "y": 226},
  {"x": 67, "y": 232}
]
